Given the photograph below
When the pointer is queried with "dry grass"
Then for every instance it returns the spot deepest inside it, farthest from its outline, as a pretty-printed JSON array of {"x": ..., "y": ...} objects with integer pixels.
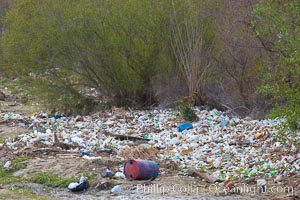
[{"x": 140, "y": 152}]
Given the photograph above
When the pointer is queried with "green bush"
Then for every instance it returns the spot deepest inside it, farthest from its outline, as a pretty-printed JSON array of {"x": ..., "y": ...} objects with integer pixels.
[
  {"x": 186, "y": 111},
  {"x": 277, "y": 25},
  {"x": 59, "y": 48}
]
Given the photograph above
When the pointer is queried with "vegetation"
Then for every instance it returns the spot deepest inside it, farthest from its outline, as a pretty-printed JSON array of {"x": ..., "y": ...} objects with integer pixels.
[
  {"x": 7, "y": 178},
  {"x": 77, "y": 55},
  {"x": 2, "y": 140},
  {"x": 278, "y": 27},
  {"x": 61, "y": 46},
  {"x": 19, "y": 163},
  {"x": 91, "y": 177},
  {"x": 25, "y": 194},
  {"x": 51, "y": 180},
  {"x": 186, "y": 111}
]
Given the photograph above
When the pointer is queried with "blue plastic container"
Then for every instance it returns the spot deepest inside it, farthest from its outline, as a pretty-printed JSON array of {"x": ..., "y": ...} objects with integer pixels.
[
  {"x": 85, "y": 153},
  {"x": 141, "y": 170},
  {"x": 185, "y": 126},
  {"x": 224, "y": 123}
]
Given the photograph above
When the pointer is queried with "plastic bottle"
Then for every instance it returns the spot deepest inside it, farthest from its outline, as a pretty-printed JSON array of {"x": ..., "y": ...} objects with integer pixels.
[{"x": 117, "y": 189}]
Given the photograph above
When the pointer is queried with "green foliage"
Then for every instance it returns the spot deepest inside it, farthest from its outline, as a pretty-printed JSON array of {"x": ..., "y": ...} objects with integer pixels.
[
  {"x": 278, "y": 24},
  {"x": 8, "y": 178},
  {"x": 91, "y": 177},
  {"x": 285, "y": 134},
  {"x": 187, "y": 113},
  {"x": 2, "y": 140},
  {"x": 19, "y": 163},
  {"x": 60, "y": 47},
  {"x": 51, "y": 180}
]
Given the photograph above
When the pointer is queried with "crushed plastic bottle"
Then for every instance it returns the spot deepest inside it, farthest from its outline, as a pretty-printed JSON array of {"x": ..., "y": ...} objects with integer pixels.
[
  {"x": 7, "y": 165},
  {"x": 120, "y": 175},
  {"x": 116, "y": 190}
]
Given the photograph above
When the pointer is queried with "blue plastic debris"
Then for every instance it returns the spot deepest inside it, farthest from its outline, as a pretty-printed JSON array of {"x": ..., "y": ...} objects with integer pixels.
[
  {"x": 85, "y": 153},
  {"x": 185, "y": 126},
  {"x": 223, "y": 123},
  {"x": 57, "y": 116}
]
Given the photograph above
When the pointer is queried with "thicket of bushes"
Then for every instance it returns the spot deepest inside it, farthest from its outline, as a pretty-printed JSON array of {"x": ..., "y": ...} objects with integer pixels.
[{"x": 143, "y": 53}]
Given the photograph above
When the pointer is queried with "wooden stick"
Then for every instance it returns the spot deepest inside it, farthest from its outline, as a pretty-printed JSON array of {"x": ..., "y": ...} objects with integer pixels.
[
  {"x": 127, "y": 137},
  {"x": 205, "y": 176}
]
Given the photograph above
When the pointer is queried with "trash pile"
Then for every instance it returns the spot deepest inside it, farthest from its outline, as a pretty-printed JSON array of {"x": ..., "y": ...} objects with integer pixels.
[{"x": 227, "y": 147}]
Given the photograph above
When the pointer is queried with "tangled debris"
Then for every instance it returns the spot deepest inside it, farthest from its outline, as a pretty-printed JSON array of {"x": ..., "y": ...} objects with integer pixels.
[{"x": 140, "y": 152}]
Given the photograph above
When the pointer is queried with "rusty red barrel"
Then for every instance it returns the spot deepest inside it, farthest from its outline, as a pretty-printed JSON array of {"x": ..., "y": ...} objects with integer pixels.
[{"x": 141, "y": 169}]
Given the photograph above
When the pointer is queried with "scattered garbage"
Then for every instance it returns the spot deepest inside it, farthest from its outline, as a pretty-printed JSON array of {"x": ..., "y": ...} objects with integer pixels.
[
  {"x": 117, "y": 189},
  {"x": 209, "y": 143},
  {"x": 82, "y": 185},
  {"x": 186, "y": 126},
  {"x": 141, "y": 170}
]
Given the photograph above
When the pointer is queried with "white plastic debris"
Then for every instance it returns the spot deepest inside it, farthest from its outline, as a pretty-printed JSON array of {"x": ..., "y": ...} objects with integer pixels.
[
  {"x": 120, "y": 175},
  {"x": 261, "y": 185},
  {"x": 7, "y": 165},
  {"x": 82, "y": 179},
  {"x": 72, "y": 186},
  {"x": 91, "y": 157},
  {"x": 117, "y": 189},
  {"x": 82, "y": 185},
  {"x": 261, "y": 182}
]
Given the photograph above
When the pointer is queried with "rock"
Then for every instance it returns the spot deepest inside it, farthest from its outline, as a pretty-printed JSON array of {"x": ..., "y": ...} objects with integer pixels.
[
  {"x": 2, "y": 96},
  {"x": 24, "y": 99}
]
